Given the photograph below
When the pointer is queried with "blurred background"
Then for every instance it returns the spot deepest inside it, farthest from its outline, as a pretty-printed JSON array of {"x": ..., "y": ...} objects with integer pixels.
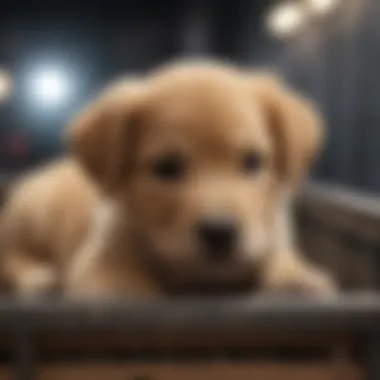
[{"x": 54, "y": 56}]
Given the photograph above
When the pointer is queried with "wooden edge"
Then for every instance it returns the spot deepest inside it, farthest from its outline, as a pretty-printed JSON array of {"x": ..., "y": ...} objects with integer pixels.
[
  {"x": 355, "y": 312},
  {"x": 202, "y": 371}
]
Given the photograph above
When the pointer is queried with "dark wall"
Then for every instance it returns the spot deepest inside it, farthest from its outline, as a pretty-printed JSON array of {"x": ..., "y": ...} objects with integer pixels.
[
  {"x": 103, "y": 42},
  {"x": 97, "y": 43},
  {"x": 336, "y": 61}
]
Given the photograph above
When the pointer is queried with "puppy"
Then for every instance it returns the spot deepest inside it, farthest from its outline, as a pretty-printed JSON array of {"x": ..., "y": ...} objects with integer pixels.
[{"x": 181, "y": 178}]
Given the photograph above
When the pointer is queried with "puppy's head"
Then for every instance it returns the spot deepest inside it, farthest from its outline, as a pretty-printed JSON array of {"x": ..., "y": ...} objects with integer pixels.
[{"x": 198, "y": 157}]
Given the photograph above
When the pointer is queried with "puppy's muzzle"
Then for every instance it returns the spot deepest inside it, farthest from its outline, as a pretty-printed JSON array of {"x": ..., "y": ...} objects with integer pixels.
[{"x": 218, "y": 237}]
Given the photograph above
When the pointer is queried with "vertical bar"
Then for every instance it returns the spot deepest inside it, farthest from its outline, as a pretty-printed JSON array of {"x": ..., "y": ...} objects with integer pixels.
[
  {"x": 361, "y": 128},
  {"x": 376, "y": 262},
  {"x": 374, "y": 251},
  {"x": 24, "y": 357},
  {"x": 372, "y": 370},
  {"x": 348, "y": 94},
  {"x": 196, "y": 32}
]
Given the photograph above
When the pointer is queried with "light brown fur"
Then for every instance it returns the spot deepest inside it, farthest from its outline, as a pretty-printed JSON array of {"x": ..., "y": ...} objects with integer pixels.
[{"x": 96, "y": 221}]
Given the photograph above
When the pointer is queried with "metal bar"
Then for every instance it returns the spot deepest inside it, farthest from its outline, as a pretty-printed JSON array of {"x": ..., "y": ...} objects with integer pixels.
[
  {"x": 373, "y": 355},
  {"x": 376, "y": 263},
  {"x": 24, "y": 357},
  {"x": 356, "y": 313}
]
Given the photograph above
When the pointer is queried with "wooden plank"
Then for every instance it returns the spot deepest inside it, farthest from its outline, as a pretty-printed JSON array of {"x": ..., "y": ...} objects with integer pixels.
[
  {"x": 101, "y": 341},
  {"x": 5, "y": 373},
  {"x": 200, "y": 371}
]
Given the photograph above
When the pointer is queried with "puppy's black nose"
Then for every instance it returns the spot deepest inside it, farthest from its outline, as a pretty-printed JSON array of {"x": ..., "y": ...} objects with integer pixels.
[{"x": 218, "y": 237}]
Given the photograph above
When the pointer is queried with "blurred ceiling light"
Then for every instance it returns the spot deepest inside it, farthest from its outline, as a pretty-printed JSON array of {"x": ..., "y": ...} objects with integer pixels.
[
  {"x": 322, "y": 7},
  {"x": 285, "y": 19},
  {"x": 5, "y": 85},
  {"x": 50, "y": 86}
]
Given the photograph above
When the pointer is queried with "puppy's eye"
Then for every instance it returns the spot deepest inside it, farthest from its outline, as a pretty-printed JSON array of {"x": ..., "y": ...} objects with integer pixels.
[
  {"x": 169, "y": 168},
  {"x": 252, "y": 162}
]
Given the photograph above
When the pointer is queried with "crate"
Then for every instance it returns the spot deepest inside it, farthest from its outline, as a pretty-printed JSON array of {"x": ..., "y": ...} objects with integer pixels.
[
  {"x": 340, "y": 230},
  {"x": 241, "y": 338},
  {"x": 193, "y": 339}
]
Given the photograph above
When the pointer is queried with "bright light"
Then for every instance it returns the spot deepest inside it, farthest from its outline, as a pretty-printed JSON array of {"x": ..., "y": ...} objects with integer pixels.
[
  {"x": 322, "y": 7},
  {"x": 5, "y": 85},
  {"x": 285, "y": 19},
  {"x": 50, "y": 86}
]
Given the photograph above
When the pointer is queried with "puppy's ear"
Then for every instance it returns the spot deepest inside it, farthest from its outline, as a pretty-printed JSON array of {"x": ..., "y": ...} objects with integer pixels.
[
  {"x": 102, "y": 138},
  {"x": 295, "y": 124}
]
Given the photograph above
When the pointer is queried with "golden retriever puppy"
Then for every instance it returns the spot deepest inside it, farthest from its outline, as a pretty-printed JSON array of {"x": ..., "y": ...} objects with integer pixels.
[{"x": 178, "y": 180}]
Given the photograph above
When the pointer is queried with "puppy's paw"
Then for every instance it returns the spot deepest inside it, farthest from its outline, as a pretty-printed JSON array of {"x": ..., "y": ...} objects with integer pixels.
[
  {"x": 40, "y": 280},
  {"x": 300, "y": 280}
]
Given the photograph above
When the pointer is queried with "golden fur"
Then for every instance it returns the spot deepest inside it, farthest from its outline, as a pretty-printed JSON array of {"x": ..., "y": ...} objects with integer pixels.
[{"x": 97, "y": 222}]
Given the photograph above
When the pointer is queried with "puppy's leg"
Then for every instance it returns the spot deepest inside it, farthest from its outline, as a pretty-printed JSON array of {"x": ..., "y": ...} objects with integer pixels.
[
  {"x": 107, "y": 282},
  {"x": 286, "y": 270},
  {"x": 102, "y": 266},
  {"x": 25, "y": 275},
  {"x": 98, "y": 270}
]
